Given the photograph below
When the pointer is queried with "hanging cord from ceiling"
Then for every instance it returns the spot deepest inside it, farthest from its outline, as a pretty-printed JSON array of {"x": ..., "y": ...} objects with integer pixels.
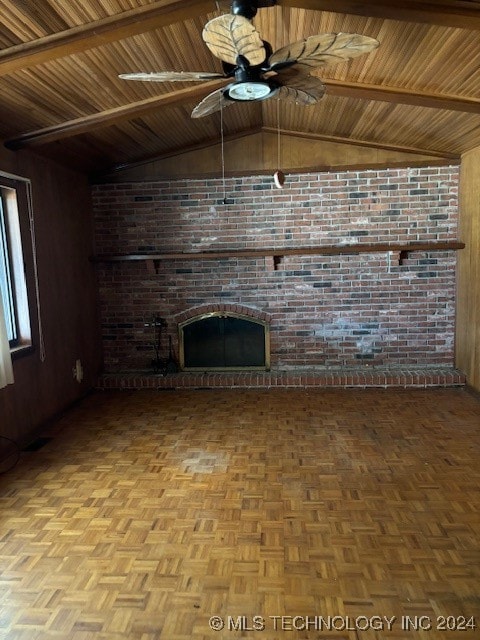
[
  {"x": 279, "y": 176},
  {"x": 279, "y": 164},
  {"x": 35, "y": 268},
  {"x": 222, "y": 146}
]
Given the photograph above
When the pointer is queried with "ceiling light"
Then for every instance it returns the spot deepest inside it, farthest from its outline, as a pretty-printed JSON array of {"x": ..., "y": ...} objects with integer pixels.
[{"x": 249, "y": 91}]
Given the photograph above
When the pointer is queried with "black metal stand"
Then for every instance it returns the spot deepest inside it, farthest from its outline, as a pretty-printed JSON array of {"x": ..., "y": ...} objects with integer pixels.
[{"x": 161, "y": 365}]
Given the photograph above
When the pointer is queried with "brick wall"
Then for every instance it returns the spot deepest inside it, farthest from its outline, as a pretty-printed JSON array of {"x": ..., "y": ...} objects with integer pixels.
[{"x": 324, "y": 310}]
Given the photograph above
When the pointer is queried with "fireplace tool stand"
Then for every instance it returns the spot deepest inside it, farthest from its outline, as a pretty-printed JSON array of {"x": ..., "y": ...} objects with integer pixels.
[{"x": 159, "y": 364}]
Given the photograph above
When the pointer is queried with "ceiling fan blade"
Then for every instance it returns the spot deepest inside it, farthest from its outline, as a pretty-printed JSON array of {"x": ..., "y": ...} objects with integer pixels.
[
  {"x": 322, "y": 50},
  {"x": 211, "y": 103},
  {"x": 301, "y": 89},
  {"x": 231, "y": 36},
  {"x": 171, "y": 76}
]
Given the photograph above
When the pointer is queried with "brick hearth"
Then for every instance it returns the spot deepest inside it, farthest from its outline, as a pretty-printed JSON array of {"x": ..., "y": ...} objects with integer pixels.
[{"x": 403, "y": 378}]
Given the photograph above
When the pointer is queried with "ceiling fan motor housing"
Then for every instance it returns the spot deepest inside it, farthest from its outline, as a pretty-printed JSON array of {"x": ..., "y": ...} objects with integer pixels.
[
  {"x": 248, "y": 8},
  {"x": 245, "y": 8},
  {"x": 244, "y": 72}
]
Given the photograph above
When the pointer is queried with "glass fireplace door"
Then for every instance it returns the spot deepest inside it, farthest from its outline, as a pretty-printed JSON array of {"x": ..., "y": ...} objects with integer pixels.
[{"x": 222, "y": 342}]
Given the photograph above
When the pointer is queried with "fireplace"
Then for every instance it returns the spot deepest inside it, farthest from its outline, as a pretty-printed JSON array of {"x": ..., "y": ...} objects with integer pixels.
[{"x": 224, "y": 341}]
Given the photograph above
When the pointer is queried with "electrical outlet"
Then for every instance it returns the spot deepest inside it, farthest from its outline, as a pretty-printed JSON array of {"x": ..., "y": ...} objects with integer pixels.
[{"x": 78, "y": 371}]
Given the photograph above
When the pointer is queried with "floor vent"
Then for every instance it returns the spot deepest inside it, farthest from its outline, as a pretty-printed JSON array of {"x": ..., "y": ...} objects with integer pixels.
[{"x": 37, "y": 444}]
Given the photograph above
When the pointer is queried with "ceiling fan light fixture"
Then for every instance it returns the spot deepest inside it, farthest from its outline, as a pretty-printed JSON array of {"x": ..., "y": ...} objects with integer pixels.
[
  {"x": 250, "y": 90},
  {"x": 258, "y": 72}
]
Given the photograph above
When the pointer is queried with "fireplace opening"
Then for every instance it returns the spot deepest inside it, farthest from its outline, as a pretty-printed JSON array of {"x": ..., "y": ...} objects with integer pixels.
[{"x": 224, "y": 341}]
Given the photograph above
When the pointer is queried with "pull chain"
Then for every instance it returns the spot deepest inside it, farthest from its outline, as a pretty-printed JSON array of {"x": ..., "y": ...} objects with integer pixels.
[
  {"x": 222, "y": 151},
  {"x": 279, "y": 164},
  {"x": 278, "y": 176}
]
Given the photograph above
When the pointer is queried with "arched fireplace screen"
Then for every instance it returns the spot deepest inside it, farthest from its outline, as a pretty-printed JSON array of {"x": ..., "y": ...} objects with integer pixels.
[{"x": 223, "y": 341}]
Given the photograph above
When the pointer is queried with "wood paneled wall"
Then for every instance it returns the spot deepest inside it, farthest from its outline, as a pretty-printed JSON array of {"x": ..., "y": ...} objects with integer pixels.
[
  {"x": 258, "y": 153},
  {"x": 64, "y": 240},
  {"x": 468, "y": 284}
]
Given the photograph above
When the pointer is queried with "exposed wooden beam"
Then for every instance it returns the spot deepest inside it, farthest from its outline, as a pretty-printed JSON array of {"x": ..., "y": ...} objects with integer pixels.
[
  {"x": 454, "y": 14},
  {"x": 364, "y": 143},
  {"x": 94, "y": 34},
  {"x": 164, "y": 12},
  {"x": 149, "y": 105},
  {"x": 401, "y": 96},
  {"x": 112, "y": 116}
]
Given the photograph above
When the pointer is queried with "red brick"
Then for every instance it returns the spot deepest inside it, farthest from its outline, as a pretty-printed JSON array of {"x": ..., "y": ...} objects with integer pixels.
[{"x": 412, "y": 317}]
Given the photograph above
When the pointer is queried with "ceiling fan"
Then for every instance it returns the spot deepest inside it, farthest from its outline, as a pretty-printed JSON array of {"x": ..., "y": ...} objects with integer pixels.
[{"x": 257, "y": 72}]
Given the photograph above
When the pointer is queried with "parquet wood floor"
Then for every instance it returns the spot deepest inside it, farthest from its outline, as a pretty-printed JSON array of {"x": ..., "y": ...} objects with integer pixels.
[{"x": 150, "y": 512}]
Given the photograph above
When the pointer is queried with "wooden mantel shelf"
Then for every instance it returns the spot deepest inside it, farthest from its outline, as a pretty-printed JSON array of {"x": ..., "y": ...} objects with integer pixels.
[{"x": 402, "y": 249}]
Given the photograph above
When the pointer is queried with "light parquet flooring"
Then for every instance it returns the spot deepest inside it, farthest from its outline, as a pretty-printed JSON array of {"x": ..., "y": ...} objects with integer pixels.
[{"x": 150, "y": 512}]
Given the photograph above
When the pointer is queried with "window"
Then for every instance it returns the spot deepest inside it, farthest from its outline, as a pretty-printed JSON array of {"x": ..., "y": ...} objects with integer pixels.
[
  {"x": 6, "y": 285},
  {"x": 13, "y": 287}
]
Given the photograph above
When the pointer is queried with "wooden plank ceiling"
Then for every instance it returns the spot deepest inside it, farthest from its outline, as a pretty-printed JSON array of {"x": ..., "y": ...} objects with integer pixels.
[{"x": 60, "y": 92}]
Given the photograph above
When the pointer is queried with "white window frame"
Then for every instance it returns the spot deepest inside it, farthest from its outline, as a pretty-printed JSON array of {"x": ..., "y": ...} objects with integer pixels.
[{"x": 12, "y": 265}]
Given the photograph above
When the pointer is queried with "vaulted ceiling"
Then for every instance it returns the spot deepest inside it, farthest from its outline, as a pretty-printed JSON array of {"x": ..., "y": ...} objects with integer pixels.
[{"x": 60, "y": 92}]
